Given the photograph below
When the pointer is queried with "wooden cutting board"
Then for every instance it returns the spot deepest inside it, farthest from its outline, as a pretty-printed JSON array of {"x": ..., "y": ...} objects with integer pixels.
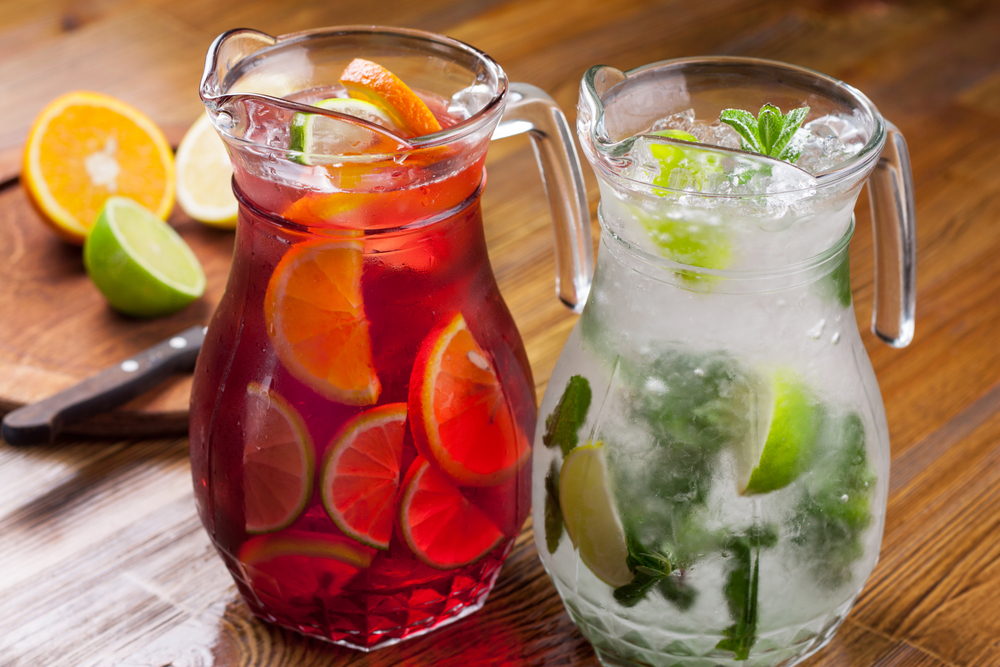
[{"x": 56, "y": 329}]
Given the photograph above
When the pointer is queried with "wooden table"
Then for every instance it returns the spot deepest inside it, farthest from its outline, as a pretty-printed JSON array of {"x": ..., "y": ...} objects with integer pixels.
[{"x": 102, "y": 558}]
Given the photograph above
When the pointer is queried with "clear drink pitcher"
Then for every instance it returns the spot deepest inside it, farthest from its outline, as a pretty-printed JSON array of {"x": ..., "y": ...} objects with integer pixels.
[
  {"x": 362, "y": 407},
  {"x": 711, "y": 459}
]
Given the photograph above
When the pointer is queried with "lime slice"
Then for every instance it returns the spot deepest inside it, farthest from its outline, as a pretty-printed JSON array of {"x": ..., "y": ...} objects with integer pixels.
[
  {"x": 789, "y": 415},
  {"x": 140, "y": 264},
  {"x": 696, "y": 244},
  {"x": 313, "y": 134},
  {"x": 588, "y": 511},
  {"x": 278, "y": 461},
  {"x": 204, "y": 176},
  {"x": 683, "y": 168},
  {"x": 360, "y": 477},
  {"x": 701, "y": 244}
]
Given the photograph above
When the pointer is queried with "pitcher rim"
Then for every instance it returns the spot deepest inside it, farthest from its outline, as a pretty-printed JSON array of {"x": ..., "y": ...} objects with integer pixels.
[
  {"x": 861, "y": 162},
  {"x": 465, "y": 127}
]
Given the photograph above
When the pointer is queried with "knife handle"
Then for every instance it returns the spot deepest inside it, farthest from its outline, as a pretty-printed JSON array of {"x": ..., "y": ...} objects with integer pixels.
[{"x": 39, "y": 423}]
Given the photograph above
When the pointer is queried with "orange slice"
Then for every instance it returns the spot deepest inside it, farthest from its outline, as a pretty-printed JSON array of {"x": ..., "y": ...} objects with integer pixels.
[
  {"x": 298, "y": 567},
  {"x": 458, "y": 413},
  {"x": 361, "y": 474},
  {"x": 277, "y": 462},
  {"x": 373, "y": 83},
  {"x": 85, "y": 147},
  {"x": 441, "y": 527},
  {"x": 316, "y": 320}
]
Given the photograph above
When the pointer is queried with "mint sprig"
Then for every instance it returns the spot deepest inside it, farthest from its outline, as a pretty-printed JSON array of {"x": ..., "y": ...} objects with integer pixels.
[
  {"x": 653, "y": 568},
  {"x": 742, "y": 584},
  {"x": 568, "y": 416},
  {"x": 770, "y": 133}
]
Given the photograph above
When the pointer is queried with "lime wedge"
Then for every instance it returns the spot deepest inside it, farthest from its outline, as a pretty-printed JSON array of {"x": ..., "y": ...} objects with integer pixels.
[
  {"x": 789, "y": 415},
  {"x": 313, "y": 134},
  {"x": 588, "y": 511},
  {"x": 140, "y": 264}
]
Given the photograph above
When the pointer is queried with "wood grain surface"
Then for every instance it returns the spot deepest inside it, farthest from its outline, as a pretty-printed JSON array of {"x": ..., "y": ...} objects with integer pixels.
[
  {"x": 102, "y": 558},
  {"x": 59, "y": 330}
]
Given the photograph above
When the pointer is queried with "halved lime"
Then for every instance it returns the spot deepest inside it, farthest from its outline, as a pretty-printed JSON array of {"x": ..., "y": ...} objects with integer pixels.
[
  {"x": 139, "y": 263},
  {"x": 315, "y": 134},
  {"x": 789, "y": 415},
  {"x": 589, "y": 513}
]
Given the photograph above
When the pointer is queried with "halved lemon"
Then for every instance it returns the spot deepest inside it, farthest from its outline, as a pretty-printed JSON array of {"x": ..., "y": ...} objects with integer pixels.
[{"x": 204, "y": 176}]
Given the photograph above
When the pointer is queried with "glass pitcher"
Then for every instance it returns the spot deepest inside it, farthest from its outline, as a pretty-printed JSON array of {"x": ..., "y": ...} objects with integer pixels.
[
  {"x": 362, "y": 408},
  {"x": 711, "y": 460}
]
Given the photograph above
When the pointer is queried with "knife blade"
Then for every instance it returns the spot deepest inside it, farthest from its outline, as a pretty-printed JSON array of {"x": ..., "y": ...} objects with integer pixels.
[{"x": 40, "y": 423}]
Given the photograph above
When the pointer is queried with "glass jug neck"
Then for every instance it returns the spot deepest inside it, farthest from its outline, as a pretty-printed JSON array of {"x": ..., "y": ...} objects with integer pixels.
[
  {"x": 833, "y": 262},
  {"x": 617, "y": 108}
]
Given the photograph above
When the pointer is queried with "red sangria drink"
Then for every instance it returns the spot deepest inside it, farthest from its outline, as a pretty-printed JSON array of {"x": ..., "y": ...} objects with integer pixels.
[{"x": 363, "y": 407}]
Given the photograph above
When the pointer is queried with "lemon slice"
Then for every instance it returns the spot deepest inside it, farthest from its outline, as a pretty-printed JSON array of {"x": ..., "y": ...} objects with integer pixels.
[
  {"x": 314, "y": 134},
  {"x": 204, "y": 176},
  {"x": 588, "y": 511},
  {"x": 140, "y": 264},
  {"x": 789, "y": 415}
]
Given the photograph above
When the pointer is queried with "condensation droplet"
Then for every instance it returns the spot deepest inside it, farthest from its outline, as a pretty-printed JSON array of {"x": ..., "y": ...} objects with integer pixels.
[{"x": 817, "y": 330}]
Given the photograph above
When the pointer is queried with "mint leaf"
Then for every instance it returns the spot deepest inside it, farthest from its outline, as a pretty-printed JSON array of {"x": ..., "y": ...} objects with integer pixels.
[
  {"x": 770, "y": 124},
  {"x": 553, "y": 511},
  {"x": 568, "y": 416},
  {"x": 649, "y": 568},
  {"x": 771, "y": 133},
  {"x": 784, "y": 148},
  {"x": 741, "y": 588},
  {"x": 746, "y": 125},
  {"x": 835, "y": 508},
  {"x": 674, "y": 589}
]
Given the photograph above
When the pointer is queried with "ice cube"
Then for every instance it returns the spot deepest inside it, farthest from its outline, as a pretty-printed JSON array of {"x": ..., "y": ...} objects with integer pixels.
[
  {"x": 715, "y": 133},
  {"x": 829, "y": 141}
]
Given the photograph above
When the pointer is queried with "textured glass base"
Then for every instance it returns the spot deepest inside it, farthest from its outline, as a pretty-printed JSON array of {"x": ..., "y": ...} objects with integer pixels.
[
  {"x": 370, "y": 619},
  {"x": 631, "y": 645}
]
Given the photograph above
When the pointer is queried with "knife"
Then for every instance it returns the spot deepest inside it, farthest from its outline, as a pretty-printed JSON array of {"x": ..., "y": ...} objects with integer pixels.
[{"x": 40, "y": 423}]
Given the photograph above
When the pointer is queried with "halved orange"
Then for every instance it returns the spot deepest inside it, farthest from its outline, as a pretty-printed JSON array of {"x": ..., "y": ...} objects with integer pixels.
[
  {"x": 278, "y": 462},
  {"x": 373, "y": 83},
  {"x": 360, "y": 478},
  {"x": 299, "y": 567},
  {"x": 459, "y": 415},
  {"x": 439, "y": 524},
  {"x": 316, "y": 320},
  {"x": 85, "y": 147}
]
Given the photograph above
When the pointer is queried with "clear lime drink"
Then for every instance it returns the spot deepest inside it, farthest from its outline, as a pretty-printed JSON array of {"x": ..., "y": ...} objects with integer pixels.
[{"x": 711, "y": 460}]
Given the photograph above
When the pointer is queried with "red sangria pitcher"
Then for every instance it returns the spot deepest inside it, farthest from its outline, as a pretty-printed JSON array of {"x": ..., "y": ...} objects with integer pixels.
[{"x": 363, "y": 408}]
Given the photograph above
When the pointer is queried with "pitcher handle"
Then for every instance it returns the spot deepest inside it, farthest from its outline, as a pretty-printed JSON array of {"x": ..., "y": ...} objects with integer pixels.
[
  {"x": 530, "y": 109},
  {"x": 890, "y": 189}
]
